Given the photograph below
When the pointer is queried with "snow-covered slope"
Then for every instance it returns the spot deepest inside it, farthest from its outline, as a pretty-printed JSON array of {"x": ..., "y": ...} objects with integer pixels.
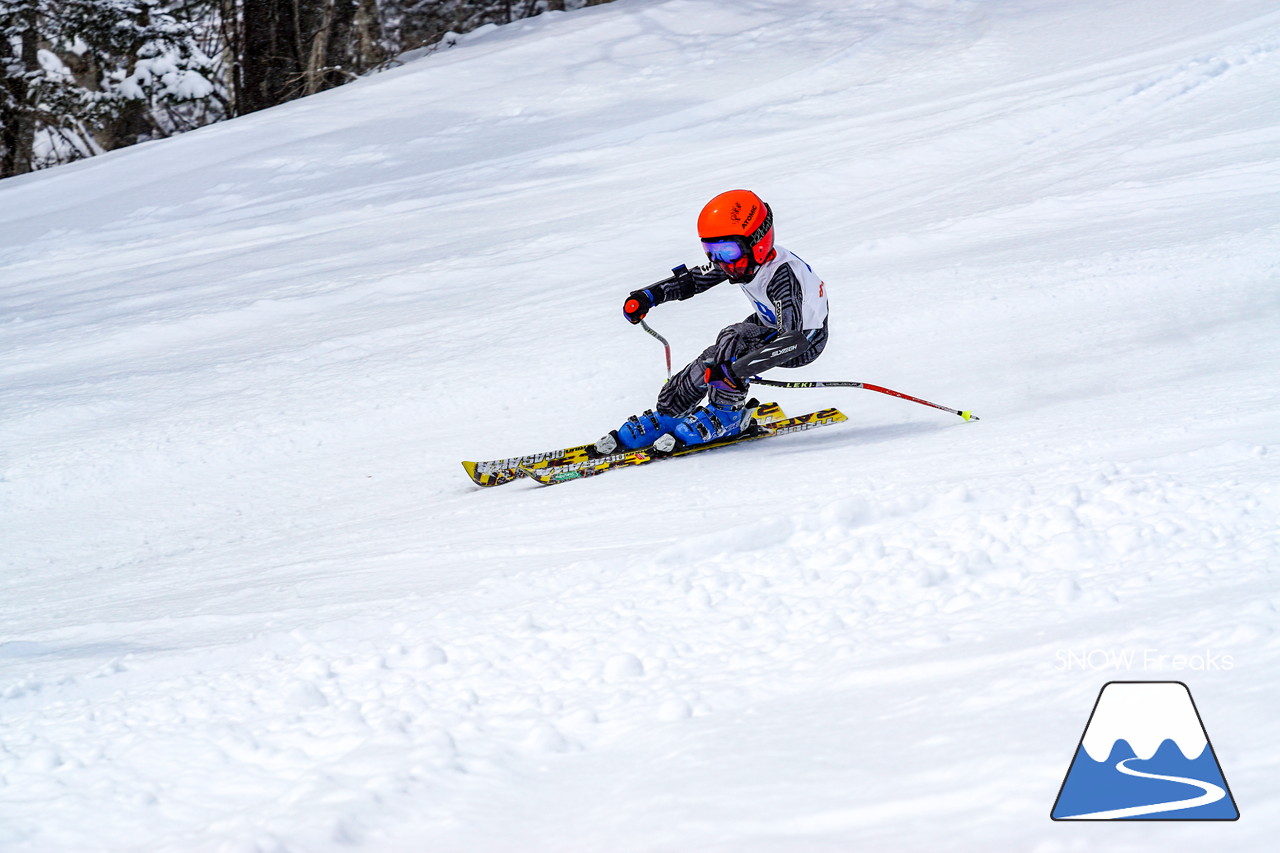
[{"x": 250, "y": 602}]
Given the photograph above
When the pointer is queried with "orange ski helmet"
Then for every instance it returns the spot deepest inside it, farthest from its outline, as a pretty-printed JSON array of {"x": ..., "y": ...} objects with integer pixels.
[{"x": 736, "y": 228}]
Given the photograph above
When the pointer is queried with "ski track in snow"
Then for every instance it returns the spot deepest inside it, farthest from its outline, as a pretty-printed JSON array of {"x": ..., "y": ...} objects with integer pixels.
[{"x": 251, "y": 603}]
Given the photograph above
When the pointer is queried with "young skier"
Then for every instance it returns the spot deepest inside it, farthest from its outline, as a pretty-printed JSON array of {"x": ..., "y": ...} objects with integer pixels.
[{"x": 787, "y": 328}]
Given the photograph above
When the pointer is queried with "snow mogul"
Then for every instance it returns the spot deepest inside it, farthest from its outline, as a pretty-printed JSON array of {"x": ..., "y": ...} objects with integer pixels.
[{"x": 787, "y": 328}]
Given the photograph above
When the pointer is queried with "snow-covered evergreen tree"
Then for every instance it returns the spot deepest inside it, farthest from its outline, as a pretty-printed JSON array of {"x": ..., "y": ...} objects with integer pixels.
[
  {"x": 85, "y": 76},
  {"x": 79, "y": 77}
]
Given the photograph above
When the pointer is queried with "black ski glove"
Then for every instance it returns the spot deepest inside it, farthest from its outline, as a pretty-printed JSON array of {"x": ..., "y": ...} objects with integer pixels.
[
  {"x": 637, "y": 305},
  {"x": 685, "y": 286}
]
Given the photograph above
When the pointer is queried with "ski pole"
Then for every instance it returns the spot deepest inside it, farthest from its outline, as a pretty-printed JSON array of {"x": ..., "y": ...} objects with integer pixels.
[
  {"x": 676, "y": 273},
  {"x": 967, "y": 415},
  {"x": 666, "y": 346}
]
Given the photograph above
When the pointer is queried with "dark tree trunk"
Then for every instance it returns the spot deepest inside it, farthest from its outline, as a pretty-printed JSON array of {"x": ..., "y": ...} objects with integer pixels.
[
  {"x": 18, "y": 134},
  {"x": 339, "y": 47},
  {"x": 11, "y": 94},
  {"x": 272, "y": 67},
  {"x": 291, "y": 48}
]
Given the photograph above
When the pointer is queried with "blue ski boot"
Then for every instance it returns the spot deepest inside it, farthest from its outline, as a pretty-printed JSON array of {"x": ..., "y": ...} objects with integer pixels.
[
  {"x": 639, "y": 431},
  {"x": 709, "y": 423}
]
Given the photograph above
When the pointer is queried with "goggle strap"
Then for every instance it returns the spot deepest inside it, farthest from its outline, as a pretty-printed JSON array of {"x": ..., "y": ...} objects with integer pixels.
[{"x": 759, "y": 233}]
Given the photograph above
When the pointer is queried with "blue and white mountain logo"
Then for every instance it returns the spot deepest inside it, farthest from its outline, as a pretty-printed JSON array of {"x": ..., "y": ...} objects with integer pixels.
[{"x": 1145, "y": 755}]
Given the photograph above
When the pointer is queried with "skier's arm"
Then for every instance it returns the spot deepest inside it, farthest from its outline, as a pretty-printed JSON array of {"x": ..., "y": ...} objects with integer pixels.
[
  {"x": 786, "y": 347},
  {"x": 791, "y": 341},
  {"x": 685, "y": 283}
]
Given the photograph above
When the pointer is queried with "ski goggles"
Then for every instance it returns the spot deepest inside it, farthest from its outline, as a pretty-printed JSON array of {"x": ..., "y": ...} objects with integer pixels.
[{"x": 725, "y": 250}]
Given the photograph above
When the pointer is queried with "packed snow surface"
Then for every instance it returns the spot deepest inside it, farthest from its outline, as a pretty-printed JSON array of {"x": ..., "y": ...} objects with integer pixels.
[{"x": 250, "y": 602}]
